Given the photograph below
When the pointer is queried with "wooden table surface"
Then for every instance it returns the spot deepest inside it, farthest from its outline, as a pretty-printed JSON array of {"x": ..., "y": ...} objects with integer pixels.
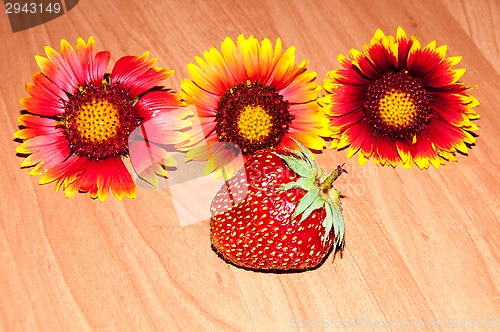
[{"x": 422, "y": 247}]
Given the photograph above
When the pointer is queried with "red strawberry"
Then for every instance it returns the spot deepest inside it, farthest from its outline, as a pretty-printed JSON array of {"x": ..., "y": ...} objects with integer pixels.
[{"x": 278, "y": 212}]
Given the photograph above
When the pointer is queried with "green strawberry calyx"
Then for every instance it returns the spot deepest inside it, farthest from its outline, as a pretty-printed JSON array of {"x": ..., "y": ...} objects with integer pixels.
[{"x": 320, "y": 191}]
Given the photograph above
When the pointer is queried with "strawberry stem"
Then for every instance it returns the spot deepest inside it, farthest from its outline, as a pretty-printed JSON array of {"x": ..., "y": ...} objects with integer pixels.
[{"x": 327, "y": 184}]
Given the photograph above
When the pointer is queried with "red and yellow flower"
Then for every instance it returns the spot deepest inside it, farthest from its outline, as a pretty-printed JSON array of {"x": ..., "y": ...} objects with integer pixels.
[
  {"x": 250, "y": 96},
  {"x": 400, "y": 103},
  {"x": 82, "y": 123}
]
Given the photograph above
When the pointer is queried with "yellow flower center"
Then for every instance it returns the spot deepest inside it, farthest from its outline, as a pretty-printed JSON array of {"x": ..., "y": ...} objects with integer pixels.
[
  {"x": 254, "y": 123},
  {"x": 397, "y": 106},
  {"x": 252, "y": 116},
  {"x": 97, "y": 121},
  {"x": 397, "y": 109}
]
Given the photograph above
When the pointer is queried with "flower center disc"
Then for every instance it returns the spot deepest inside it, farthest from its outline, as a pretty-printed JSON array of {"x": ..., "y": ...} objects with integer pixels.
[
  {"x": 253, "y": 116},
  {"x": 98, "y": 121},
  {"x": 254, "y": 123},
  {"x": 397, "y": 106}
]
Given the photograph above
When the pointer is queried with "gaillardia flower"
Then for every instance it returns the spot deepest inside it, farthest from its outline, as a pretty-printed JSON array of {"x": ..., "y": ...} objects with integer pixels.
[
  {"x": 81, "y": 122},
  {"x": 250, "y": 96},
  {"x": 400, "y": 103}
]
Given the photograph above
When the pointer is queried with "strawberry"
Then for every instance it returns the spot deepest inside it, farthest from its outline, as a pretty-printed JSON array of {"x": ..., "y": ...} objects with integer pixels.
[{"x": 278, "y": 212}]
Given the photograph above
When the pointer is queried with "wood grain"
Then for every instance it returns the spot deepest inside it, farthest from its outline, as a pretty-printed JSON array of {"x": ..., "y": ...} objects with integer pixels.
[{"x": 421, "y": 245}]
